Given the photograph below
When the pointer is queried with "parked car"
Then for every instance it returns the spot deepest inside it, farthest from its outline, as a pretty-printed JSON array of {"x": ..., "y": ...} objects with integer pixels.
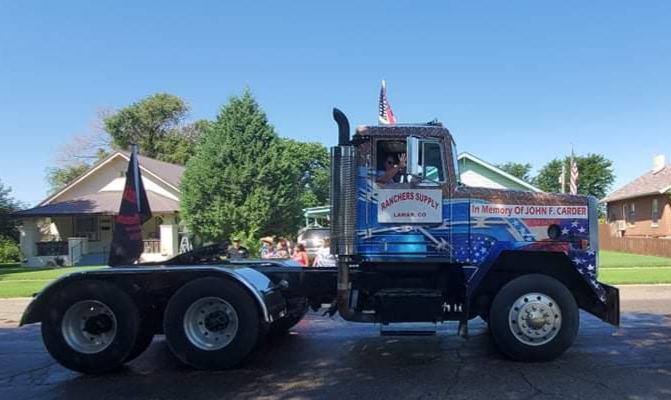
[{"x": 311, "y": 237}]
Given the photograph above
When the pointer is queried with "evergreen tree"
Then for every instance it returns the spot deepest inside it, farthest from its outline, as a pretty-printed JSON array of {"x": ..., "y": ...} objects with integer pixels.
[
  {"x": 240, "y": 179},
  {"x": 8, "y": 226}
]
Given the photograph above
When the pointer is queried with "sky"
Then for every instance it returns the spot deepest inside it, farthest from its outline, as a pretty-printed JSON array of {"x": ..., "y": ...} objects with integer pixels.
[{"x": 513, "y": 80}]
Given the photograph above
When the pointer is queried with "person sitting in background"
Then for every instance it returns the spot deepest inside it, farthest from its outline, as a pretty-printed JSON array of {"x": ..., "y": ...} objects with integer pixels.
[
  {"x": 324, "y": 257},
  {"x": 237, "y": 252},
  {"x": 282, "y": 251},
  {"x": 300, "y": 255},
  {"x": 267, "y": 247}
]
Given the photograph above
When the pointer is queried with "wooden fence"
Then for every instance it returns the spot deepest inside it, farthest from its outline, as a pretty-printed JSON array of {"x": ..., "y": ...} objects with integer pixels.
[{"x": 636, "y": 245}]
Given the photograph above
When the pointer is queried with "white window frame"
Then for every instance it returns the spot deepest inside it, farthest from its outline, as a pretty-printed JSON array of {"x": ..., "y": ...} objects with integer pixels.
[
  {"x": 630, "y": 211},
  {"x": 654, "y": 209}
]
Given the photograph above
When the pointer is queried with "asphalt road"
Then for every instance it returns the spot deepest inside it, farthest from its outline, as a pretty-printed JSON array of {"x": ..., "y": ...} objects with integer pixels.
[{"x": 328, "y": 358}]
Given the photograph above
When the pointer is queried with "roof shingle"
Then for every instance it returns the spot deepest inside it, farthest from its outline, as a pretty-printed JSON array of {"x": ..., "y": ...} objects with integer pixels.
[
  {"x": 646, "y": 184},
  {"x": 102, "y": 203}
]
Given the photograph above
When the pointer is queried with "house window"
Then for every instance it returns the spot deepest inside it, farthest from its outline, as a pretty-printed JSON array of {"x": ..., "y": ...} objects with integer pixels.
[
  {"x": 632, "y": 214},
  {"x": 655, "y": 212},
  {"x": 88, "y": 227}
]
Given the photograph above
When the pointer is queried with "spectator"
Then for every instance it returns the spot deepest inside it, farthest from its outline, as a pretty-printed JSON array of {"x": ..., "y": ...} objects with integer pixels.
[
  {"x": 300, "y": 255},
  {"x": 324, "y": 258},
  {"x": 267, "y": 247},
  {"x": 237, "y": 252},
  {"x": 282, "y": 251}
]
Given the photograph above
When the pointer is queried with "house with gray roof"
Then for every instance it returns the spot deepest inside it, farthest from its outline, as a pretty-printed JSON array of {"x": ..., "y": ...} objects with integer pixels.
[
  {"x": 642, "y": 207},
  {"x": 74, "y": 225}
]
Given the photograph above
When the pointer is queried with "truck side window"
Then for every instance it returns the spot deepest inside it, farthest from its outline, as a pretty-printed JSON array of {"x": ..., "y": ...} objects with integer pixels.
[{"x": 432, "y": 161}]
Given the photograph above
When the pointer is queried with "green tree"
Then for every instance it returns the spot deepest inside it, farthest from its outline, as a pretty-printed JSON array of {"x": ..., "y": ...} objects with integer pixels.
[
  {"x": 58, "y": 177},
  {"x": 179, "y": 144},
  {"x": 8, "y": 226},
  {"x": 518, "y": 170},
  {"x": 310, "y": 163},
  {"x": 595, "y": 175},
  {"x": 239, "y": 180},
  {"x": 146, "y": 123}
]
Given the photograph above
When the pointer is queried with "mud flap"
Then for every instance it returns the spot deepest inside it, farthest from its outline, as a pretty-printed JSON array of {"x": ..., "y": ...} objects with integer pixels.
[{"x": 608, "y": 311}]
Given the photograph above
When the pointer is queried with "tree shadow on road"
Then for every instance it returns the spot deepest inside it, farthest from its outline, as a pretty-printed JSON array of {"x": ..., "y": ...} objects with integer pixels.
[{"x": 324, "y": 358}]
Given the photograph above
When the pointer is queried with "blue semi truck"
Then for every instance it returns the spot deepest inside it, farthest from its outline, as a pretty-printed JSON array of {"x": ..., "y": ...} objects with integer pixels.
[{"x": 412, "y": 244}]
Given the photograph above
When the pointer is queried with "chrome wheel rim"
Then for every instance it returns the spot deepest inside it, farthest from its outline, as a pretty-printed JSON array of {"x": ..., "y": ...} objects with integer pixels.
[
  {"x": 210, "y": 323},
  {"x": 89, "y": 326},
  {"x": 535, "y": 319}
]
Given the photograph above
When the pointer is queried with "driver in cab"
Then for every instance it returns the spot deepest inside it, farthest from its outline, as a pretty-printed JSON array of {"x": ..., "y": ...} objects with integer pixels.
[{"x": 394, "y": 170}]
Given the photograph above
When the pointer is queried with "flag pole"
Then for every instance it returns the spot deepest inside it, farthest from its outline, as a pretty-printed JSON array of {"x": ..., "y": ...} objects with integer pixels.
[{"x": 136, "y": 171}]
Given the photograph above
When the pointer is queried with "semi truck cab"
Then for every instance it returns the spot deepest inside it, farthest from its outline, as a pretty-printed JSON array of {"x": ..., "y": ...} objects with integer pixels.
[{"x": 422, "y": 247}]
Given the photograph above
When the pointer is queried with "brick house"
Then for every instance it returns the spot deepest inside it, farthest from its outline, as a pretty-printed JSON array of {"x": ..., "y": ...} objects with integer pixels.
[{"x": 643, "y": 206}]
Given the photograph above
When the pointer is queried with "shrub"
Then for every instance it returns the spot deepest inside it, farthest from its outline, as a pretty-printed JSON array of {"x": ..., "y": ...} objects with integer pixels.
[{"x": 9, "y": 250}]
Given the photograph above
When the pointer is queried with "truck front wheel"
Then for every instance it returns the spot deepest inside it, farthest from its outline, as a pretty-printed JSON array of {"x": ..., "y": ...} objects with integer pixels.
[
  {"x": 90, "y": 326},
  {"x": 211, "y": 324},
  {"x": 534, "y": 318}
]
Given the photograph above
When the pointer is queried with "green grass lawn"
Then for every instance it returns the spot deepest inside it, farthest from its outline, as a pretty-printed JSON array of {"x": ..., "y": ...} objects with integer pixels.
[
  {"x": 613, "y": 259},
  {"x": 624, "y": 268},
  {"x": 622, "y": 276},
  {"x": 24, "y": 282}
]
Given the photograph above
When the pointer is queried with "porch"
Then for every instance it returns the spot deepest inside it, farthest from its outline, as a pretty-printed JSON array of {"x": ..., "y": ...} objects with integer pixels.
[{"x": 86, "y": 239}]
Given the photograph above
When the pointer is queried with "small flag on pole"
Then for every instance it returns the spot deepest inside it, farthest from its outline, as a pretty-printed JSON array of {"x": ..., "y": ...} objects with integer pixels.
[
  {"x": 386, "y": 116},
  {"x": 574, "y": 174},
  {"x": 134, "y": 211}
]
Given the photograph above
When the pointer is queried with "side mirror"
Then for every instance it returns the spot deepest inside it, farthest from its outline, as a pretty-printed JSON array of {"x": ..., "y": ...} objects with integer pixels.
[{"x": 413, "y": 156}]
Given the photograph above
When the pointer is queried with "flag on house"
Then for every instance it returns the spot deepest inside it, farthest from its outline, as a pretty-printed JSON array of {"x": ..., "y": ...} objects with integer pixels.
[
  {"x": 574, "y": 175},
  {"x": 386, "y": 116},
  {"x": 134, "y": 211}
]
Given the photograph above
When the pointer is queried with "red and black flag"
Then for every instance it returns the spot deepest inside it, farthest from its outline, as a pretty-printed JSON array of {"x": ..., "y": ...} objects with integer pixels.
[{"x": 134, "y": 211}]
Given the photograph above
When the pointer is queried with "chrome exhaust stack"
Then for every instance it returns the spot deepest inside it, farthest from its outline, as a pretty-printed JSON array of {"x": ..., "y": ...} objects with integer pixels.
[{"x": 344, "y": 195}]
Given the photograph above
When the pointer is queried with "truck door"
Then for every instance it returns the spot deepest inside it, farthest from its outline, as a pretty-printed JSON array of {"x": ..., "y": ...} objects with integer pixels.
[
  {"x": 427, "y": 168},
  {"x": 406, "y": 217}
]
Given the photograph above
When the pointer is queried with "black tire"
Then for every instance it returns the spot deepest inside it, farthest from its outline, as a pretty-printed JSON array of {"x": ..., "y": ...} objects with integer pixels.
[
  {"x": 144, "y": 337},
  {"x": 296, "y": 310},
  {"x": 243, "y": 341},
  {"x": 512, "y": 343},
  {"x": 127, "y": 323}
]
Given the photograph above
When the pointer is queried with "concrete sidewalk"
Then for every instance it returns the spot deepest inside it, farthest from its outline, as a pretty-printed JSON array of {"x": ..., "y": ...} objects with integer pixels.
[{"x": 11, "y": 311}]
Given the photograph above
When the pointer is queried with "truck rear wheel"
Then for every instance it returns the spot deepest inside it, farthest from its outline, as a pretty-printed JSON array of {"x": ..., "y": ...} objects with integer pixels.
[
  {"x": 296, "y": 310},
  {"x": 534, "y": 318},
  {"x": 145, "y": 336},
  {"x": 211, "y": 324},
  {"x": 90, "y": 327}
]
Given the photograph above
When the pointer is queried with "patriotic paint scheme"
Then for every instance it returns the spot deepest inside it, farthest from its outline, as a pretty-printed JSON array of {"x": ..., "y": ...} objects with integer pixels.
[{"x": 467, "y": 225}]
